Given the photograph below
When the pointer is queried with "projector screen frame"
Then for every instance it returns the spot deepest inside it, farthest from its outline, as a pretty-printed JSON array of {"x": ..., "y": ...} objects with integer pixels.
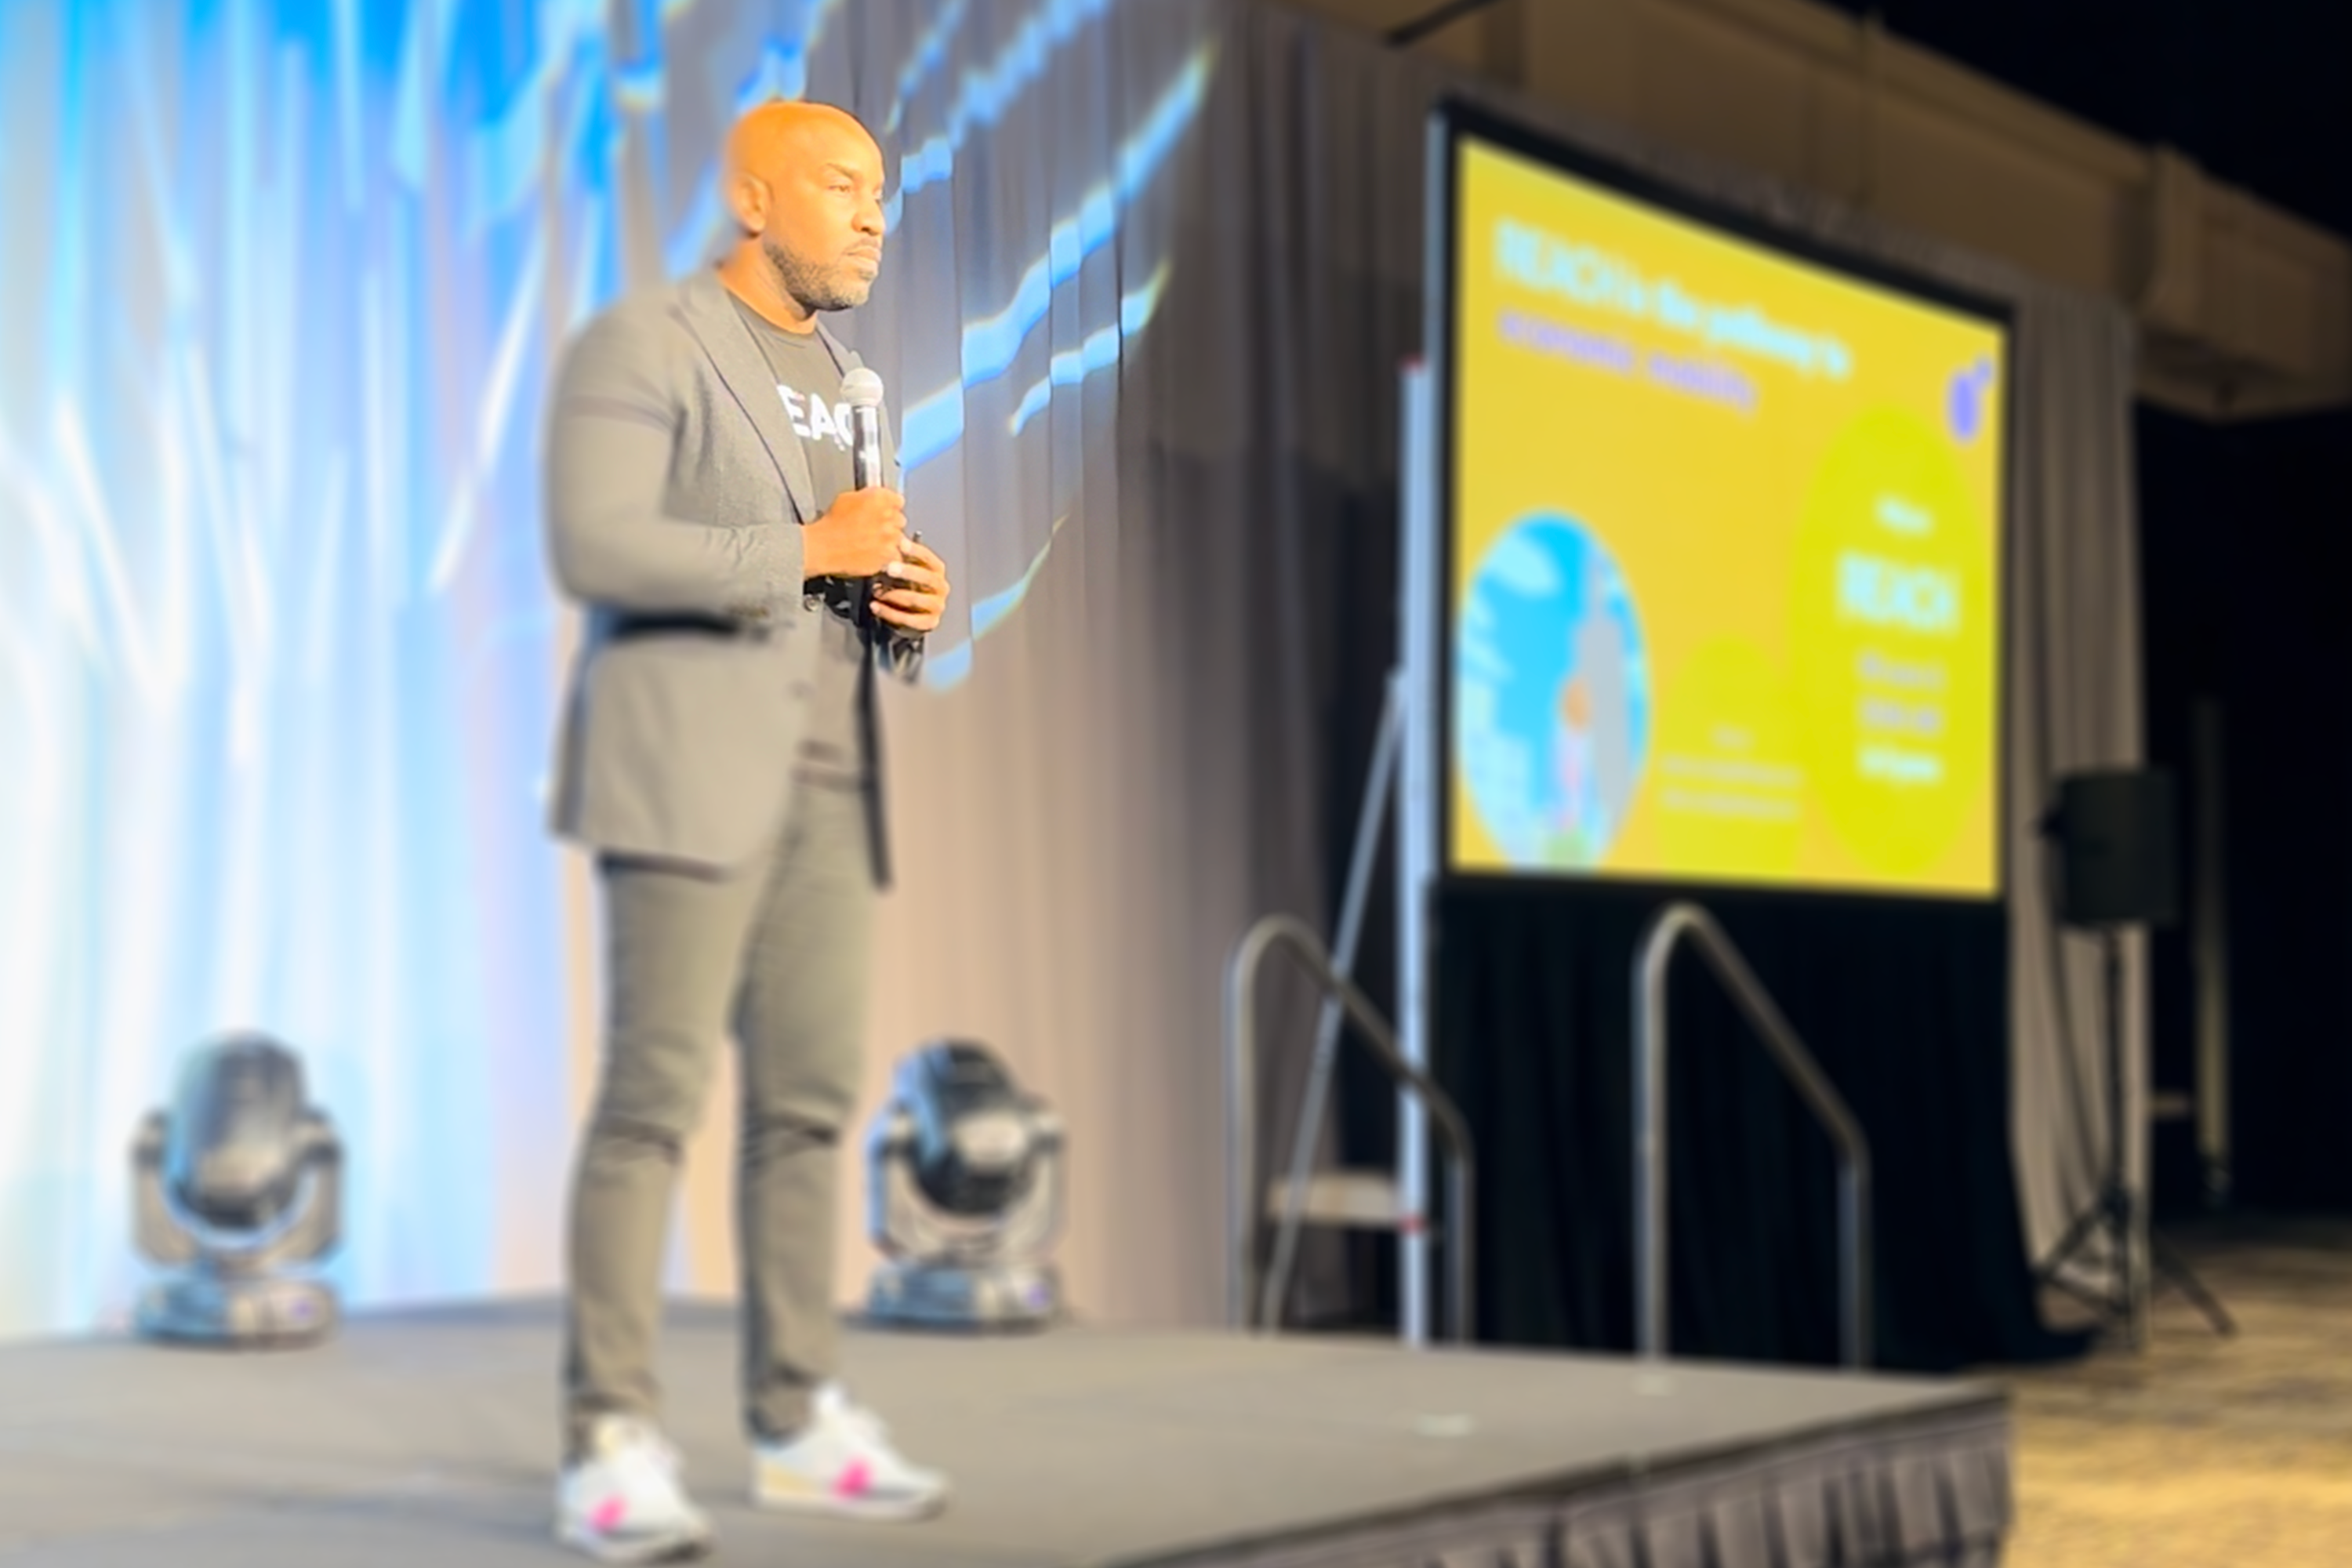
[{"x": 1455, "y": 122}]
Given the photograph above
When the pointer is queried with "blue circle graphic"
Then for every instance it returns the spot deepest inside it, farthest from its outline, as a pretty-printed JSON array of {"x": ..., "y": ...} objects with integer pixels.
[{"x": 1551, "y": 694}]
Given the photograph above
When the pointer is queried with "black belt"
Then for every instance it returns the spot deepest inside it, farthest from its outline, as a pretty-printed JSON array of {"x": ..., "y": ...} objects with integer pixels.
[{"x": 626, "y": 626}]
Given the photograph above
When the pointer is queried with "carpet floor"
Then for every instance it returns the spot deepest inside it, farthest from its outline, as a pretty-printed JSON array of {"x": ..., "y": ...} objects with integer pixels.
[{"x": 2202, "y": 1450}]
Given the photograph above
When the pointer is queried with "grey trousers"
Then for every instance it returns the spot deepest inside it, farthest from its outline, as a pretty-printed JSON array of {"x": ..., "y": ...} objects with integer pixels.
[{"x": 778, "y": 952}]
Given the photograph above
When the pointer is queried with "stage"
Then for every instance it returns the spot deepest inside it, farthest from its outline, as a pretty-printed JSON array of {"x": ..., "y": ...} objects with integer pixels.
[{"x": 427, "y": 1437}]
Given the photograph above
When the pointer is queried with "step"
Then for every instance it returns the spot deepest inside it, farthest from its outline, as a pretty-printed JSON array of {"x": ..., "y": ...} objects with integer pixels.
[{"x": 1362, "y": 1200}]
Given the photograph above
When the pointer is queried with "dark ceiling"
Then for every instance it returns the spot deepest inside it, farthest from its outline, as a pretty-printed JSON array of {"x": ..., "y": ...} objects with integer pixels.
[{"x": 2258, "y": 91}]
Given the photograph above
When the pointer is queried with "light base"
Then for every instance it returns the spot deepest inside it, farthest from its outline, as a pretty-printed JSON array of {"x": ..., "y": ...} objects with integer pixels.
[
  {"x": 231, "y": 1312},
  {"x": 988, "y": 1298}
]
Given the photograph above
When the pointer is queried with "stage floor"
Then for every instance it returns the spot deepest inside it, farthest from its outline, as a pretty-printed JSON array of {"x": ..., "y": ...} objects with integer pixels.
[{"x": 429, "y": 1438}]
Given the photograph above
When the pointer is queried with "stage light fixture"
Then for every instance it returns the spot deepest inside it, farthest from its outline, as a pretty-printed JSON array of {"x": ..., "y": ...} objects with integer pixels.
[
  {"x": 964, "y": 1196},
  {"x": 236, "y": 1186}
]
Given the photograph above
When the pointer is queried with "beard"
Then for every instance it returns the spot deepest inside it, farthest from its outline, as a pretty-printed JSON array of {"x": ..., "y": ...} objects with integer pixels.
[{"x": 816, "y": 286}]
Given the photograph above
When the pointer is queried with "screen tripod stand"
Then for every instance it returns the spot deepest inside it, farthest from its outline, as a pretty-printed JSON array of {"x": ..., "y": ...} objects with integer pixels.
[
  {"x": 2115, "y": 832},
  {"x": 2114, "y": 1215}
]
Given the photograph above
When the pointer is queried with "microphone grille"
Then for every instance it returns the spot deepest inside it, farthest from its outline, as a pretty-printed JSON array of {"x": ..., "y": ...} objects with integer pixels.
[{"x": 861, "y": 388}]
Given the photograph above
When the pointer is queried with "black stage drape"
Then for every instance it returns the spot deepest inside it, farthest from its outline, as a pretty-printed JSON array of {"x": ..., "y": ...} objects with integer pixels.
[
  {"x": 2243, "y": 525},
  {"x": 1903, "y": 1004}
]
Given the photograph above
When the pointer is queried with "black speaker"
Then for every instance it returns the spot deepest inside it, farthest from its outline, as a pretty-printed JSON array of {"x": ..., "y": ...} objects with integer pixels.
[{"x": 2118, "y": 853}]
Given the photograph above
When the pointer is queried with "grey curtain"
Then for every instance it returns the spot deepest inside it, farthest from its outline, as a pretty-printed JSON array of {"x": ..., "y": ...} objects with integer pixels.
[
  {"x": 1111, "y": 784},
  {"x": 1258, "y": 533}
]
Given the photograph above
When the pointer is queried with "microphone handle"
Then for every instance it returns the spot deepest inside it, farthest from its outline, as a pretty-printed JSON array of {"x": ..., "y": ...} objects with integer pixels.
[
  {"x": 865, "y": 446},
  {"x": 865, "y": 472}
]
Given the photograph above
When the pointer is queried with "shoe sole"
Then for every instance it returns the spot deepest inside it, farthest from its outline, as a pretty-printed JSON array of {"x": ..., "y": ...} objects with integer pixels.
[
  {"x": 868, "y": 1511},
  {"x": 607, "y": 1549}
]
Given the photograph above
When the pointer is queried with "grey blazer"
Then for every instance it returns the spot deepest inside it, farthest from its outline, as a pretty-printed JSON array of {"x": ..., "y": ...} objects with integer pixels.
[{"x": 675, "y": 491}]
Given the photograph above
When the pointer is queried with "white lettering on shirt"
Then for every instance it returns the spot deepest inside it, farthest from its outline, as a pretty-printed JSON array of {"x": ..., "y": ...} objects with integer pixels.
[
  {"x": 821, "y": 422},
  {"x": 813, "y": 420}
]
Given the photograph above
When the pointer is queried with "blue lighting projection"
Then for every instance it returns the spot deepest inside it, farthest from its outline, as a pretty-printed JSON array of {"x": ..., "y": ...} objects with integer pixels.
[{"x": 279, "y": 655}]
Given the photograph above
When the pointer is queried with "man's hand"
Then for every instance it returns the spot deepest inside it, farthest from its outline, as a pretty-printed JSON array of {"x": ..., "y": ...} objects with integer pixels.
[
  {"x": 859, "y": 536},
  {"x": 916, "y": 590}
]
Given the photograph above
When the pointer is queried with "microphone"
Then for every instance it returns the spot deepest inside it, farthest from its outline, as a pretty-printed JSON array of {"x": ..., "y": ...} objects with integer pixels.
[{"x": 862, "y": 390}]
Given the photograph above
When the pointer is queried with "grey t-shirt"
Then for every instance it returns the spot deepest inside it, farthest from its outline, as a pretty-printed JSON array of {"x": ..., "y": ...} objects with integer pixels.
[{"x": 833, "y": 752}]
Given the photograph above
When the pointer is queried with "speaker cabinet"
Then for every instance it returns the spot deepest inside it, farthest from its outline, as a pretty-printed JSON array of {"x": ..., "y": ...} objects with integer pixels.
[{"x": 2118, "y": 847}]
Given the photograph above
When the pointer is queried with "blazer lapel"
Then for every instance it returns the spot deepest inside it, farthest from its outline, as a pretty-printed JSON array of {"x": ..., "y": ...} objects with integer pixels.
[{"x": 710, "y": 314}]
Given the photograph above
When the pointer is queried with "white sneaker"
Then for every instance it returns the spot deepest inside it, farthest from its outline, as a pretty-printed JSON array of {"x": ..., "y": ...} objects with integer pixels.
[
  {"x": 842, "y": 1464},
  {"x": 621, "y": 1500}
]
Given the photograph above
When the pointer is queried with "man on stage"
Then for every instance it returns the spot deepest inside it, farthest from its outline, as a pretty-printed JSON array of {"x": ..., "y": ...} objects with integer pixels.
[{"x": 720, "y": 757}]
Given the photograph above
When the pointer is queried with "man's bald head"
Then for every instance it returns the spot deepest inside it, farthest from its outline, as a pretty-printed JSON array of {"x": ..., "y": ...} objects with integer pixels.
[
  {"x": 805, "y": 181},
  {"x": 776, "y": 135}
]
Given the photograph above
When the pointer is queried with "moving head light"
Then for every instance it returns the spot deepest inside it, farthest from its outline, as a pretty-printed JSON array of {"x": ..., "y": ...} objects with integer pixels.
[
  {"x": 964, "y": 1196},
  {"x": 236, "y": 1183}
]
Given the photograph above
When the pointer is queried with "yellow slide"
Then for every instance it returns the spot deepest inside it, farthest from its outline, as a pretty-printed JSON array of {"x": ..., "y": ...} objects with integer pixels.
[{"x": 1725, "y": 554}]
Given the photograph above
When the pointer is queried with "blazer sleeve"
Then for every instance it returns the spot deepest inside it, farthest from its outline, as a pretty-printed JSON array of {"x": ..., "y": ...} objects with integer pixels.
[{"x": 615, "y": 418}]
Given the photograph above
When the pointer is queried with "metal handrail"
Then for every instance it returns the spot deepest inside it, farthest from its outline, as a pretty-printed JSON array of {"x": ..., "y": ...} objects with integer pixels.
[
  {"x": 1243, "y": 1201},
  {"x": 1657, "y": 951},
  {"x": 1309, "y": 1134}
]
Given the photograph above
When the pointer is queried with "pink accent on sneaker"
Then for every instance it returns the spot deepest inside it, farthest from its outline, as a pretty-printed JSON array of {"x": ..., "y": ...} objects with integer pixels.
[
  {"x": 607, "y": 1516},
  {"x": 856, "y": 1481}
]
